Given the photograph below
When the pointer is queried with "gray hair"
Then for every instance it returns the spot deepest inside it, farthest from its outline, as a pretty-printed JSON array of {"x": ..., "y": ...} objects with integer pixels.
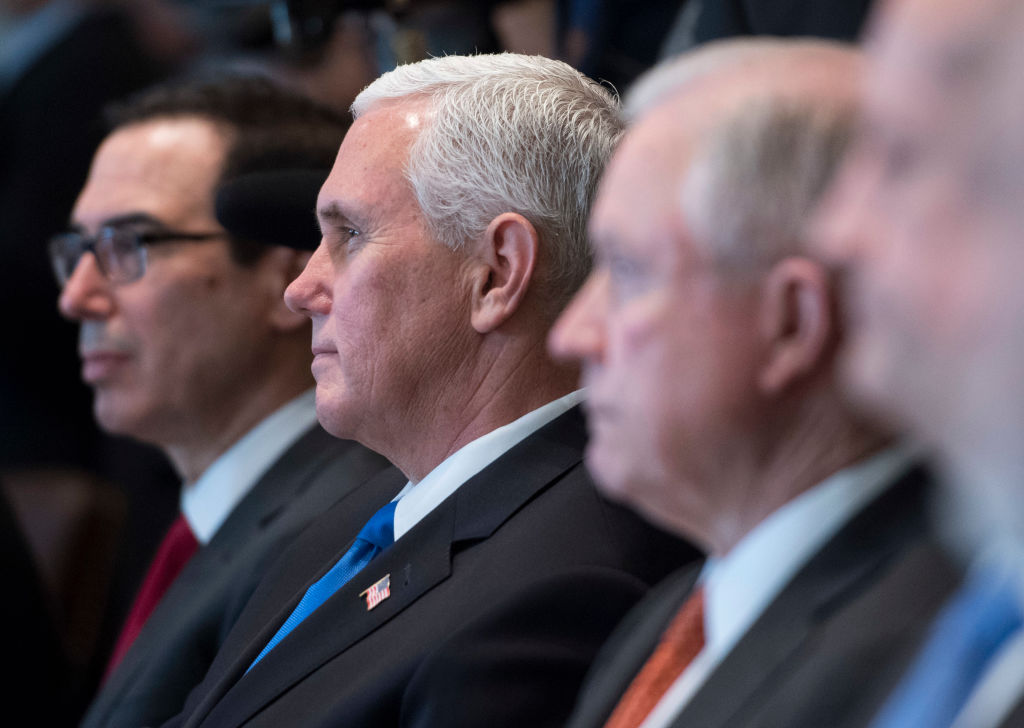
[
  {"x": 510, "y": 133},
  {"x": 758, "y": 175},
  {"x": 670, "y": 76}
]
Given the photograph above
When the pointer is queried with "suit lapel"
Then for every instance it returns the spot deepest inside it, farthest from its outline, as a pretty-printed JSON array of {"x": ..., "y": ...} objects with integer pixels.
[
  {"x": 1015, "y": 718},
  {"x": 388, "y": 480},
  {"x": 834, "y": 577},
  {"x": 417, "y": 562},
  {"x": 632, "y": 643},
  {"x": 289, "y": 476},
  {"x": 284, "y": 481}
]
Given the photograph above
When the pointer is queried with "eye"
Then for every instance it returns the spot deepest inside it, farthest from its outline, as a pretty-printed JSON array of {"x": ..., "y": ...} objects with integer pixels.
[
  {"x": 627, "y": 275},
  {"x": 343, "y": 239},
  {"x": 900, "y": 159}
]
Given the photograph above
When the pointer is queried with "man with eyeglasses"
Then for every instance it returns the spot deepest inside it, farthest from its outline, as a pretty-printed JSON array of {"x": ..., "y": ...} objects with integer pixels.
[{"x": 187, "y": 344}]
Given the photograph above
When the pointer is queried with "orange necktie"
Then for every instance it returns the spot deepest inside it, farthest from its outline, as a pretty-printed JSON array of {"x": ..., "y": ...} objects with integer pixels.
[{"x": 680, "y": 643}]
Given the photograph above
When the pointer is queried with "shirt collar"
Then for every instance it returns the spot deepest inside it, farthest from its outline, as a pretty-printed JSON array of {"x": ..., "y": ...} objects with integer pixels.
[
  {"x": 208, "y": 502},
  {"x": 741, "y": 585},
  {"x": 416, "y": 500}
]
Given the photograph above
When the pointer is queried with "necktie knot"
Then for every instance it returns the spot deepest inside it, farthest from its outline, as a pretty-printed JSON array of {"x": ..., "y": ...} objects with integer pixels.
[
  {"x": 380, "y": 529},
  {"x": 374, "y": 537}
]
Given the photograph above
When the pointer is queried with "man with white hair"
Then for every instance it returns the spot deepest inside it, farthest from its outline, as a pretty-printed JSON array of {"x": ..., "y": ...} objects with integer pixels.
[
  {"x": 925, "y": 222},
  {"x": 707, "y": 333},
  {"x": 453, "y": 233}
]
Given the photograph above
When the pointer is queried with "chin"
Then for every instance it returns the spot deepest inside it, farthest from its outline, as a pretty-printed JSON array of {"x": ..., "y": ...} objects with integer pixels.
[
  {"x": 115, "y": 418},
  {"x": 609, "y": 471},
  {"x": 334, "y": 417}
]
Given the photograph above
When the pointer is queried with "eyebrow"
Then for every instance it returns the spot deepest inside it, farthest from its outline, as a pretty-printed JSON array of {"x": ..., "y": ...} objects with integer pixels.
[
  {"x": 130, "y": 218},
  {"x": 331, "y": 214}
]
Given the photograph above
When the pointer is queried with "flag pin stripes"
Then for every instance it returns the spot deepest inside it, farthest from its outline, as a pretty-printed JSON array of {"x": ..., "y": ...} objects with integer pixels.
[{"x": 377, "y": 593}]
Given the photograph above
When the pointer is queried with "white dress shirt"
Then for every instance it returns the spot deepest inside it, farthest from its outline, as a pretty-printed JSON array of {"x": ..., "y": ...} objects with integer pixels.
[
  {"x": 739, "y": 586},
  {"x": 416, "y": 500},
  {"x": 208, "y": 502}
]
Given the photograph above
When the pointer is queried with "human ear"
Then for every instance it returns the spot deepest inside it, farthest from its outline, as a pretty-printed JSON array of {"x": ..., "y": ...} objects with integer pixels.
[
  {"x": 507, "y": 256},
  {"x": 796, "y": 321}
]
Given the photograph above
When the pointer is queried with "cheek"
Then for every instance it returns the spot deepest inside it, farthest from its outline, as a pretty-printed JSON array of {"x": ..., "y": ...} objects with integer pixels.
[{"x": 648, "y": 357}]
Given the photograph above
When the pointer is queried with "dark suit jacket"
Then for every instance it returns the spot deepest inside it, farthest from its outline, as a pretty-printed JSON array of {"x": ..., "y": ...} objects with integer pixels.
[
  {"x": 827, "y": 649},
  {"x": 531, "y": 515},
  {"x": 1015, "y": 718},
  {"x": 181, "y": 637}
]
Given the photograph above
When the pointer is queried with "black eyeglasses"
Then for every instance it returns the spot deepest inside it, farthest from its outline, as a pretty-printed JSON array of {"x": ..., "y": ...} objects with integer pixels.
[{"x": 120, "y": 251}]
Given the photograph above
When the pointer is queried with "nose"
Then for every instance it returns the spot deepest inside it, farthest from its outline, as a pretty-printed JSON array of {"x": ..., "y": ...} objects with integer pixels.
[
  {"x": 87, "y": 294},
  {"x": 579, "y": 333},
  {"x": 310, "y": 293}
]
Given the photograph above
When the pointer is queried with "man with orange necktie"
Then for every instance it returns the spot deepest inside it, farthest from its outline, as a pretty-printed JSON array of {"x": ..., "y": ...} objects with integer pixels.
[{"x": 707, "y": 333}]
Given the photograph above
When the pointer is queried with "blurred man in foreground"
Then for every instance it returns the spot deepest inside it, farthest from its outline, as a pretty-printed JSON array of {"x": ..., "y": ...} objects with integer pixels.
[
  {"x": 707, "y": 334},
  {"x": 453, "y": 233},
  {"x": 925, "y": 220},
  {"x": 187, "y": 344}
]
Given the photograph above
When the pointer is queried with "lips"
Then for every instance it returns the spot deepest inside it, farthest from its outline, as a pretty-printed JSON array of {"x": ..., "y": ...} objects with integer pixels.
[{"x": 98, "y": 366}]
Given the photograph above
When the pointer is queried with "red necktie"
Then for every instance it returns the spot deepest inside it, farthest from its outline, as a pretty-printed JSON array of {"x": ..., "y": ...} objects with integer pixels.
[
  {"x": 680, "y": 643},
  {"x": 175, "y": 550}
]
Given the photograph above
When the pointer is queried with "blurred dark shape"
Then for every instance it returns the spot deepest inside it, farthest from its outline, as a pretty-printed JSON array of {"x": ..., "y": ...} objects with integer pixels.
[
  {"x": 614, "y": 41},
  {"x": 70, "y": 59},
  {"x": 839, "y": 19},
  {"x": 38, "y": 680},
  {"x": 71, "y": 522},
  {"x": 48, "y": 130},
  {"x": 525, "y": 26},
  {"x": 273, "y": 208}
]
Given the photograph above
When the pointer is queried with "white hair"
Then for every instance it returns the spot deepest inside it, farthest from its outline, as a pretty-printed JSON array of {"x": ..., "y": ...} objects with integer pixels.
[
  {"x": 673, "y": 74},
  {"x": 766, "y": 148},
  {"x": 758, "y": 175},
  {"x": 510, "y": 133}
]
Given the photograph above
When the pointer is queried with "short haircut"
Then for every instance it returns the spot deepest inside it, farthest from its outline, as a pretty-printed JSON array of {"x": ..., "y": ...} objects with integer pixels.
[
  {"x": 756, "y": 178},
  {"x": 510, "y": 133},
  {"x": 766, "y": 153},
  {"x": 671, "y": 75},
  {"x": 269, "y": 126}
]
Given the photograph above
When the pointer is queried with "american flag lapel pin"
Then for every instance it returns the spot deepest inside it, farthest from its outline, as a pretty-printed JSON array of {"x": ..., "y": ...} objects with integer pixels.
[{"x": 377, "y": 593}]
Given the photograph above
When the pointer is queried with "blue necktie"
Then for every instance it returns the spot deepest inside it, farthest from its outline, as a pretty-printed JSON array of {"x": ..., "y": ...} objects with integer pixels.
[
  {"x": 968, "y": 633},
  {"x": 376, "y": 535}
]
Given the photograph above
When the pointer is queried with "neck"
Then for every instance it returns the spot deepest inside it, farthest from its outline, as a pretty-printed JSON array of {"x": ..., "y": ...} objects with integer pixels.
[
  {"x": 506, "y": 388},
  {"x": 210, "y": 437},
  {"x": 819, "y": 440}
]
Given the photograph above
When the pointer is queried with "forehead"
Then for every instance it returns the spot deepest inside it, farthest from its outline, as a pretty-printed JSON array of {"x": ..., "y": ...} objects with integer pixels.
[
  {"x": 639, "y": 193},
  {"x": 166, "y": 168},
  {"x": 369, "y": 170},
  {"x": 934, "y": 47}
]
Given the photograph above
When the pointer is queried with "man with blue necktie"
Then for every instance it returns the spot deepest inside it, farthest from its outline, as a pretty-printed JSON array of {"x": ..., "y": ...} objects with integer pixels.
[
  {"x": 453, "y": 229},
  {"x": 925, "y": 218}
]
